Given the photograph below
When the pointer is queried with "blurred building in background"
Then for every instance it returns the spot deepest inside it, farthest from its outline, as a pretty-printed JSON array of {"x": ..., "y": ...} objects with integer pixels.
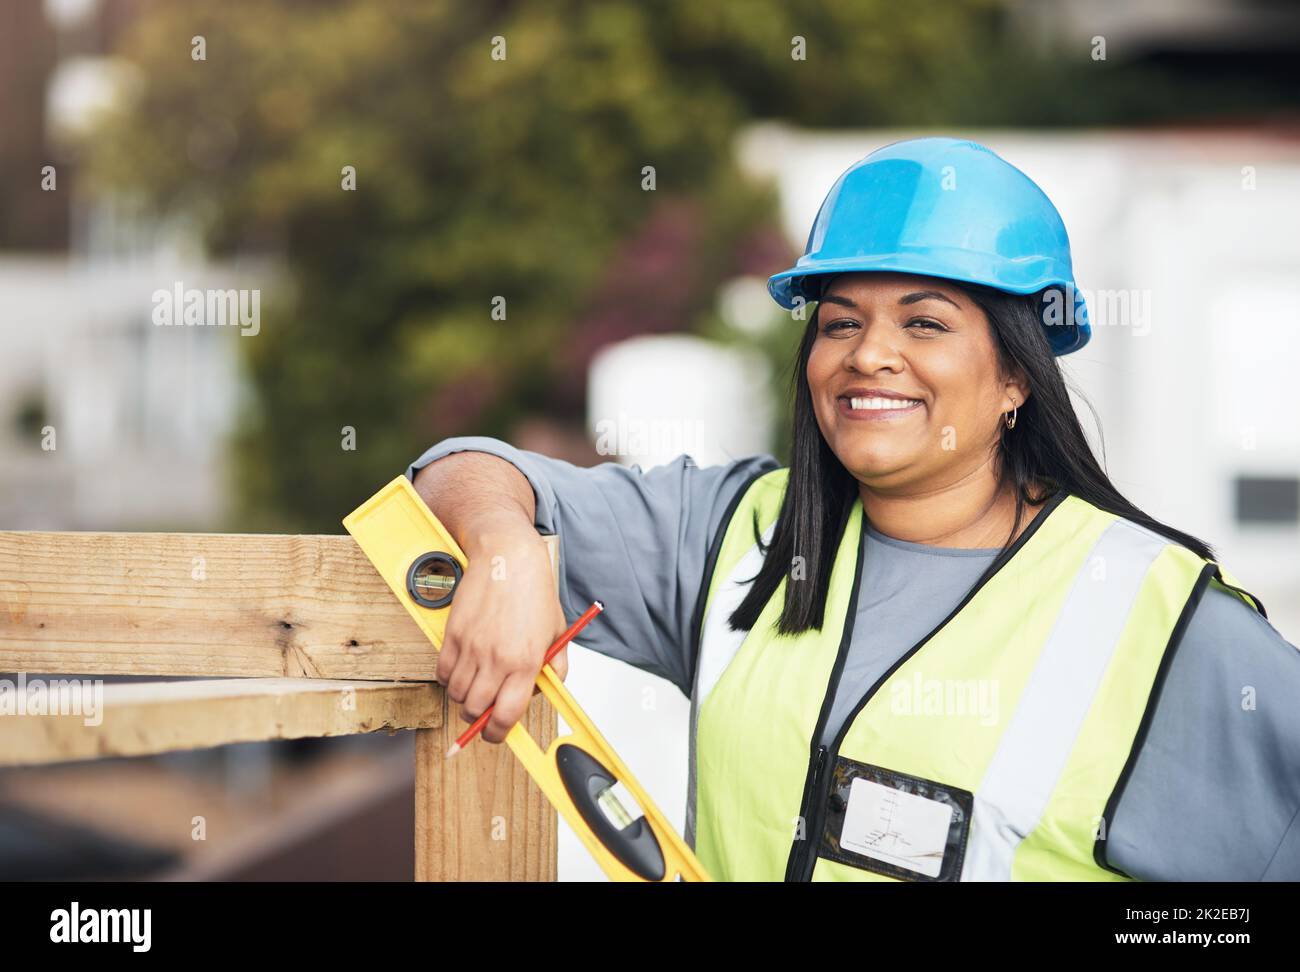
[{"x": 112, "y": 422}]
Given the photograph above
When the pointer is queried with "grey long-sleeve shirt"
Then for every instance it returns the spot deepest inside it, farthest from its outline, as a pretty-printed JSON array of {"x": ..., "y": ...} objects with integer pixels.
[{"x": 1215, "y": 791}]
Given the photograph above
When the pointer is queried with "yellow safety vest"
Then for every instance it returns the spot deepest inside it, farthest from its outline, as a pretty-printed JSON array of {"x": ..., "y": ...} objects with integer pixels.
[{"x": 1070, "y": 631}]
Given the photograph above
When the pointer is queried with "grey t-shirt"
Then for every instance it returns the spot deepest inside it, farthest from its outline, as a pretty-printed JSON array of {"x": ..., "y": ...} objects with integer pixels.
[{"x": 1215, "y": 791}]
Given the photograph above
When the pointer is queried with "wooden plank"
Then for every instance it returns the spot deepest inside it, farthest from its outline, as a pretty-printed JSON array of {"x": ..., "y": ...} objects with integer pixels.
[
  {"x": 479, "y": 816},
  {"x": 203, "y": 604},
  {"x": 143, "y": 718}
]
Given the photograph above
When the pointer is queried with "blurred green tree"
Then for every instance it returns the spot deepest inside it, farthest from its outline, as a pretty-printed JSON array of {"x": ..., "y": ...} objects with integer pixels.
[{"x": 479, "y": 177}]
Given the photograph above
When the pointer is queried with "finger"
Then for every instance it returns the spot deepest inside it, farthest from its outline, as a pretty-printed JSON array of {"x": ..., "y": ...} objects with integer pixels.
[
  {"x": 448, "y": 654},
  {"x": 482, "y": 693},
  {"x": 511, "y": 704},
  {"x": 461, "y": 679},
  {"x": 447, "y": 659}
]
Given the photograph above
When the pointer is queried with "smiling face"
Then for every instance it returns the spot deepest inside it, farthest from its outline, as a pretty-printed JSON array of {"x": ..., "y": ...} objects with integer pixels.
[{"x": 905, "y": 380}]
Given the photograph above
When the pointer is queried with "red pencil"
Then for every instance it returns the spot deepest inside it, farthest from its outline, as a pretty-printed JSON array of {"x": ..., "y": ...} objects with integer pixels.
[{"x": 551, "y": 652}]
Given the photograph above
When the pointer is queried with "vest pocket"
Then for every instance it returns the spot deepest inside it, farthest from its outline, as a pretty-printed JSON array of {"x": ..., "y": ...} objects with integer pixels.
[{"x": 902, "y": 826}]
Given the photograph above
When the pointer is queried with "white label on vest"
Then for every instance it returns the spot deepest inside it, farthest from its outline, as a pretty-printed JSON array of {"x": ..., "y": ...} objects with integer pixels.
[{"x": 898, "y": 828}]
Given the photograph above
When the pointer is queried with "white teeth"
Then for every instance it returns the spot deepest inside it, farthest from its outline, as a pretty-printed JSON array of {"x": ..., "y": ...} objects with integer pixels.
[{"x": 882, "y": 403}]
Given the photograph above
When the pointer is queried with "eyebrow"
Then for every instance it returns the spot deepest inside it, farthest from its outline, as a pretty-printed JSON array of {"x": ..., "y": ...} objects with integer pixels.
[
  {"x": 927, "y": 294},
  {"x": 911, "y": 298}
]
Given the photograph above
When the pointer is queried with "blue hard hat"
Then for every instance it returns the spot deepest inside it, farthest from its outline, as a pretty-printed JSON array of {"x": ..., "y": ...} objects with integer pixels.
[{"x": 942, "y": 207}]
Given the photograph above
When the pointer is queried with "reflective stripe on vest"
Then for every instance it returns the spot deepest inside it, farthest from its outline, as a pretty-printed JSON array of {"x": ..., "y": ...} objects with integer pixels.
[{"x": 1066, "y": 636}]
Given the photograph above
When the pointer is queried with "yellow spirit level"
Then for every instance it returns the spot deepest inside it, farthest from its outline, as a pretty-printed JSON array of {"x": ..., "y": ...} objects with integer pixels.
[{"x": 579, "y": 773}]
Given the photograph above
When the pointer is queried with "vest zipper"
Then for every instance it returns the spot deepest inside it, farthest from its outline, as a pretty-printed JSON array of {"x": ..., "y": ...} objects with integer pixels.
[
  {"x": 801, "y": 849},
  {"x": 803, "y": 859},
  {"x": 810, "y": 788}
]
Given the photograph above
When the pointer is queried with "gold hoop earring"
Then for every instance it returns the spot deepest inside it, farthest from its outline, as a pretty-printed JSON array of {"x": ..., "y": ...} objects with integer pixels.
[{"x": 1011, "y": 419}]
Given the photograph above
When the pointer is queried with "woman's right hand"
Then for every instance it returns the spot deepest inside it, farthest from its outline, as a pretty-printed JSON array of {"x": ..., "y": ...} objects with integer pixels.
[{"x": 503, "y": 618}]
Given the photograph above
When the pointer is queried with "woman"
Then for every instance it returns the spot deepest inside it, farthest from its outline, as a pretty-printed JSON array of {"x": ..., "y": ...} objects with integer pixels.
[{"x": 940, "y": 645}]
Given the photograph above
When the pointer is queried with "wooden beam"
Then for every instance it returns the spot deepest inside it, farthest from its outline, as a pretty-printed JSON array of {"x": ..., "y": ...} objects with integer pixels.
[
  {"x": 203, "y": 604},
  {"x": 143, "y": 718},
  {"x": 479, "y": 816}
]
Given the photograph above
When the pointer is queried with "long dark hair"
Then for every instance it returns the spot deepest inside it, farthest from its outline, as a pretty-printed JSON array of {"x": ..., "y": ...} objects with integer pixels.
[{"x": 1047, "y": 446}]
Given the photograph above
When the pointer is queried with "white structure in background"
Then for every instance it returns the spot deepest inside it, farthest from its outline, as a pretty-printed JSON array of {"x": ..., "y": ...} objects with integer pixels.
[
  {"x": 650, "y": 399},
  {"x": 140, "y": 414},
  {"x": 1200, "y": 394}
]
